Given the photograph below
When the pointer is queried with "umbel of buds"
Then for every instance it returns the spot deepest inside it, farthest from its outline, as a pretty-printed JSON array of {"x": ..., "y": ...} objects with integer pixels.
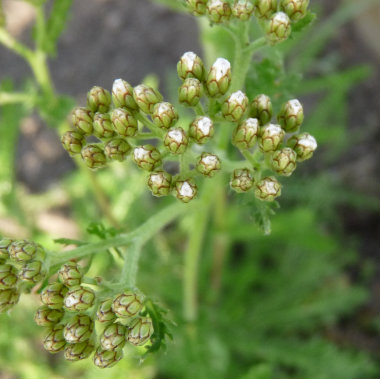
[
  {"x": 201, "y": 129},
  {"x": 268, "y": 189},
  {"x": 218, "y": 11},
  {"x": 190, "y": 66},
  {"x": 159, "y": 182},
  {"x": 218, "y": 78},
  {"x": 235, "y": 106},
  {"x": 278, "y": 28},
  {"x": 245, "y": 135}
]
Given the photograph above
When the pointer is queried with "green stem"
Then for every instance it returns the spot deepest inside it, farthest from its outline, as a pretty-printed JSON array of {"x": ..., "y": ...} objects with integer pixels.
[
  {"x": 197, "y": 233},
  {"x": 199, "y": 109},
  {"x": 11, "y": 43},
  {"x": 131, "y": 264},
  {"x": 14, "y": 98},
  {"x": 149, "y": 124},
  {"x": 139, "y": 236}
]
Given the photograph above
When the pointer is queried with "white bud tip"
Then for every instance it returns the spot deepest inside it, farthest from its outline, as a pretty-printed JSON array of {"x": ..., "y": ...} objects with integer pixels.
[
  {"x": 252, "y": 123},
  {"x": 238, "y": 97},
  {"x": 189, "y": 59},
  {"x": 210, "y": 160},
  {"x": 221, "y": 67},
  {"x": 139, "y": 153},
  {"x": 118, "y": 85},
  {"x": 163, "y": 107},
  {"x": 204, "y": 125},
  {"x": 281, "y": 17},
  {"x": 270, "y": 187},
  {"x": 273, "y": 129},
  {"x": 295, "y": 106},
  {"x": 176, "y": 135},
  {"x": 186, "y": 190},
  {"x": 308, "y": 142}
]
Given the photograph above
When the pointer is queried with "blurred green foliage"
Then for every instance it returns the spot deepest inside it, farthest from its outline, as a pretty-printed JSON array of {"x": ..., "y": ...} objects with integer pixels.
[{"x": 268, "y": 304}]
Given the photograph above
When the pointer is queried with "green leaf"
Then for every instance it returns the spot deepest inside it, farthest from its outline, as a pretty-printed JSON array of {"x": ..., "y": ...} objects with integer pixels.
[
  {"x": 306, "y": 21},
  {"x": 69, "y": 241}
]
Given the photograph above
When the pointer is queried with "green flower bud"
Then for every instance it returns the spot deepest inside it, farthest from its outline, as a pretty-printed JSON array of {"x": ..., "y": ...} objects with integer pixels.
[
  {"x": 122, "y": 95},
  {"x": 106, "y": 358},
  {"x": 53, "y": 295},
  {"x": 261, "y": 108},
  {"x": 24, "y": 251},
  {"x": 69, "y": 274},
  {"x": 93, "y": 155},
  {"x": 103, "y": 127},
  {"x": 78, "y": 329},
  {"x": 271, "y": 137},
  {"x": 186, "y": 190},
  {"x": 124, "y": 122},
  {"x": 268, "y": 189},
  {"x": 291, "y": 116},
  {"x": 201, "y": 129},
  {"x": 140, "y": 331},
  {"x": 8, "y": 298},
  {"x": 113, "y": 337},
  {"x": 105, "y": 312},
  {"x": 241, "y": 180},
  {"x": 79, "y": 299},
  {"x": 176, "y": 140},
  {"x": 197, "y": 7},
  {"x": 159, "y": 183},
  {"x": 147, "y": 157},
  {"x": 128, "y": 304},
  {"x": 265, "y": 8},
  {"x": 245, "y": 135},
  {"x": 218, "y": 78},
  {"x": 190, "y": 92},
  {"x": 242, "y": 9},
  {"x": 4, "y": 245},
  {"x": 32, "y": 272},
  {"x": 82, "y": 119},
  {"x": 117, "y": 149},
  {"x": 54, "y": 341},
  {"x": 208, "y": 164},
  {"x": 164, "y": 115},
  {"x": 190, "y": 66},
  {"x": 78, "y": 351},
  {"x": 284, "y": 161},
  {"x": 304, "y": 145},
  {"x": 73, "y": 142},
  {"x": 278, "y": 28},
  {"x": 234, "y": 106},
  {"x": 146, "y": 98},
  {"x": 218, "y": 11},
  {"x": 47, "y": 317},
  {"x": 98, "y": 99},
  {"x": 8, "y": 276},
  {"x": 295, "y": 9}
]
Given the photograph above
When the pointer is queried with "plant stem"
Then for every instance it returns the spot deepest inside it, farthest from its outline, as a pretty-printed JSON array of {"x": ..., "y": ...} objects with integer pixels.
[
  {"x": 14, "y": 98},
  {"x": 139, "y": 236},
  {"x": 130, "y": 267},
  {"x": 149, "y": 124}
]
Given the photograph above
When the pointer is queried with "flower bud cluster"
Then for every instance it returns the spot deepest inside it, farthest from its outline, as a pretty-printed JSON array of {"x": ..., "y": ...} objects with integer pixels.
[
  {"x": 275, "y": 16},
  {"x": 118, "y": 121},
  {"x": 21, "y": 267}
]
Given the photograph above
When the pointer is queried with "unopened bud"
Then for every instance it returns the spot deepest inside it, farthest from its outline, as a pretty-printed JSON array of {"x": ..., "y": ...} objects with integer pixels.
[
  {"x": 159, "y": 183},
  {"x": 79, "y": 299},
  {"x": 284, "y": 161},
  {"x": 103, "y": 127},
  {"x": 146, "y": 97},
  {"x": 268, "y": 189},
  {"x": 8, "y": 298},
  {"x": 261, "y": 108},
  {"x": 190, "y": 66},
  {"x": 242, "y": 9},
  {"x": 245, "y": 135},
  {"x": 73, "y": 142},
  {"x": 218, "y": 11},
  {"x": 4, "y": 245},
  {"x": 201, "y": 129},
  {"x": 8, "y": 276},
  {"x": 234, "y": 106},
  {"x": 164, "y": 115},
  {"x": 271, "y": 137},
  {"x": 186, "y": 190},
  {"x": 113, "y": 337},
  {"x": 54, "y": 341},
  {"x": 98, "y": 99},
  {"x": 69, "y": 274},
  {"x": 265, "y": 8},
  {"x": 124, "y": 122},
  {"x": 45, "y": 316},
  {"x": 117, "y": 149},
  {"x": 140, "y": 331},
  {"x": 128, "y": 304},
  {"x": 295, "y": 9},
  {"x": 78, "y": 329},
  {"x": 176, "y": 140},
  {"x": 218, "y": 78},
  {"x": 241, "y": 180},
  {"x": 147, "y": 157},
  {"x": 208, "y": 164},
  {"x": 93, "y": 155},
  {"x": 278, "y": 28},
  {"x": 82, "y": 119},
  {"x": 105, "y": 312},
  {"x": 122, "y": 95},
  {"x": 197, "y": 7},
  {"x": 32, "y": 272},
  {"x": 24, "y": 251},
  {"x": 53, "y": 295},
  {"x": 78, "y": 351},
  {"x": 190, "y": 92},
  {"x": 106, "y": 358},
  {"x": 291, "y": 116},
  {"x": 304, "y": 145}
]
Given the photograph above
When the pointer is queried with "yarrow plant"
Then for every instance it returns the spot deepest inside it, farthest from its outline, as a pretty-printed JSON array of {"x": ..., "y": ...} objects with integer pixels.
[{"x": 232, "y": 141}]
